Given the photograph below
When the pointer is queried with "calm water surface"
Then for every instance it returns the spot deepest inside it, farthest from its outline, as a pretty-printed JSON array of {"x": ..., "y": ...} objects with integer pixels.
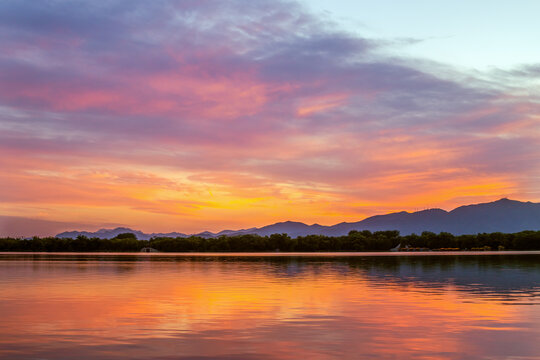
[{"x": 361, "y": 306}]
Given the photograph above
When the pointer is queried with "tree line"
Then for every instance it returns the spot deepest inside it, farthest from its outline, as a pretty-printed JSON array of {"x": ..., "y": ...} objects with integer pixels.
[{"x": 354, "y": 241}]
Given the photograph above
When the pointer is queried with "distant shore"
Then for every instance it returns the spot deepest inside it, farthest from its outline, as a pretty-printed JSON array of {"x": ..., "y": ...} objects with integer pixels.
[
  {"x": 330, "y": 254},
  {"x": 355, "y": 241}
]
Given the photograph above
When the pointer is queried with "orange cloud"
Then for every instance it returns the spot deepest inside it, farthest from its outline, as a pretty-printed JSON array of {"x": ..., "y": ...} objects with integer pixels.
[{"x": 318, "y": 104}]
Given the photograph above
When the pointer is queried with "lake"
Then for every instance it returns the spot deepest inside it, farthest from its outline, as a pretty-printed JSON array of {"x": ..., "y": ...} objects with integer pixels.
[{"x": 270, "y": 306}]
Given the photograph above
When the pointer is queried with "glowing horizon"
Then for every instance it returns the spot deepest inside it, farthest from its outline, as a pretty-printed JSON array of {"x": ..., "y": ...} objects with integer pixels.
[{"x": 199, "y": 116}]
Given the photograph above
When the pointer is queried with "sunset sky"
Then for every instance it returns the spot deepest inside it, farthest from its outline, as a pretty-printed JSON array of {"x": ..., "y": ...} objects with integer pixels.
[{"x": 209, "y": 115}]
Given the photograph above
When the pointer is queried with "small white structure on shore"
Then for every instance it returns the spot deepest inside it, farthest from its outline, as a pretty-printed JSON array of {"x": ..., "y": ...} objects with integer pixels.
[
  {"x": 149, "y": 250},
  {"x": 395, "y": 249}
]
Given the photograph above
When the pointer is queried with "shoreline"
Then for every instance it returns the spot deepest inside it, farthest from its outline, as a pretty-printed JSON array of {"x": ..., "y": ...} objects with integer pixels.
[{"x": 284, "y": 254}]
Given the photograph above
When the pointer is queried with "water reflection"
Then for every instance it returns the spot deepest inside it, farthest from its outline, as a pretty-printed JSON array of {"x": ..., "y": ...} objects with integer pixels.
[{"x": 279, "y": 307}]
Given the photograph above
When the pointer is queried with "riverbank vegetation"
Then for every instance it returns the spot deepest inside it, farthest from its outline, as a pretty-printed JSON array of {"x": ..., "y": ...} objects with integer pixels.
[{"x": 354, "y": 241}]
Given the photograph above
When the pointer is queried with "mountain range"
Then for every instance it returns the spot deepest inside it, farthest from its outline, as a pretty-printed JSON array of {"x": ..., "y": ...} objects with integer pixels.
[{"x": 503, "y": 215}]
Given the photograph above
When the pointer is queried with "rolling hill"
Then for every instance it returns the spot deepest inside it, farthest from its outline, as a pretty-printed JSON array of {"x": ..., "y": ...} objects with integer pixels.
[{"x": 503, "y": 215}]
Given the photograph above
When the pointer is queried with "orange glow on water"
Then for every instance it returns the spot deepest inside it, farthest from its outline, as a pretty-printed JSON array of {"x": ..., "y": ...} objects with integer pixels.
[{"x": 265, "y": 307}]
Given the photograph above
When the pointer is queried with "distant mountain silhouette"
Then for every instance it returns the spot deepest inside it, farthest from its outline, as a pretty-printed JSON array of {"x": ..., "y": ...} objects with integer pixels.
[
  {"x": 503, "y": 215},
  {"x": 111, "y": 233}
]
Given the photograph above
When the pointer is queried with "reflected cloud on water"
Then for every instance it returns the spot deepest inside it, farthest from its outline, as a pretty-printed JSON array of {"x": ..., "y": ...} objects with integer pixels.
[{"x": 272, "y": 307}]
